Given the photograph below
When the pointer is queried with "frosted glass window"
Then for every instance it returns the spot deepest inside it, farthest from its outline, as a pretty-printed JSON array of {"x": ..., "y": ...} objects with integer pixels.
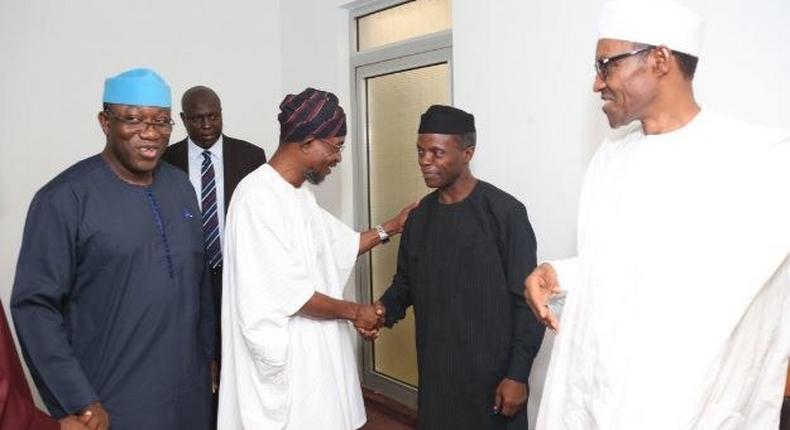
[
  {"x": 394, "y": 104},
  {"x": 401, "y": 22}
]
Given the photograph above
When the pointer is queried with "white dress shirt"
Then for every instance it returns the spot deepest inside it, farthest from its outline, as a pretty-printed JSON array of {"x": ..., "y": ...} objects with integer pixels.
[{"x": 195, "y": 158}]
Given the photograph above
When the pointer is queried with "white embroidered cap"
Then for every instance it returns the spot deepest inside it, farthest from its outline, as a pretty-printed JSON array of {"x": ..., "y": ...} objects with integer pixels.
[{"x": 653, "y": 22}]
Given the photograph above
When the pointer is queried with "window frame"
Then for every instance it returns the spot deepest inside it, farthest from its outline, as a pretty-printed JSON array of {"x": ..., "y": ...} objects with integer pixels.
[{"x": 417, "y": 52}]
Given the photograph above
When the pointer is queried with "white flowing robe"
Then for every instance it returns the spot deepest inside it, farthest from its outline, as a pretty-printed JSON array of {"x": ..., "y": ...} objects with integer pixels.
[
  {"x": 676, "y": 314},
  {"x": 281, "y": 370}
]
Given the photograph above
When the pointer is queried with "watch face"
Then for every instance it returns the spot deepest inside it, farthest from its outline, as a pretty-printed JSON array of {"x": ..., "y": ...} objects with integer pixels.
[{"x": 383, "y": 236}]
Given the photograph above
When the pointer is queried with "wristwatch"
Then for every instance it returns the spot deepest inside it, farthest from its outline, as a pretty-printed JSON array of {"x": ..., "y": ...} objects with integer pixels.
[{"x": 383, "y": 236}]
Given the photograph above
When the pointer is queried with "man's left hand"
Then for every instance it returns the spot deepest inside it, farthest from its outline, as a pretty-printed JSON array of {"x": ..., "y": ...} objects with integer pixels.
[{"x": 511, "y": 397}]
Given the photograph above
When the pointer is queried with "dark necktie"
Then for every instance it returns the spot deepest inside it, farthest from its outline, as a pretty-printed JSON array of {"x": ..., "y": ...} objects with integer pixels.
[{"x": 208, "y": 204}]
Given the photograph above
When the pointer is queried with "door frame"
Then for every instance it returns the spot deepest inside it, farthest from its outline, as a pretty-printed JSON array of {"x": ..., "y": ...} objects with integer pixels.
[{"x": 378, "y": 62}]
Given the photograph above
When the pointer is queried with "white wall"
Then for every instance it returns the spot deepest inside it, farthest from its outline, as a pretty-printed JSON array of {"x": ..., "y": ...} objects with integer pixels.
[
  {"x": 315, "y": 53},
  {"x": 524, "y": 69}
]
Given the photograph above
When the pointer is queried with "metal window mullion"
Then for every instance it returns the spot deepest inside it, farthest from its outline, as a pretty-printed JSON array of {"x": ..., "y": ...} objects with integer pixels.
[{"x": 430, "y": 42}]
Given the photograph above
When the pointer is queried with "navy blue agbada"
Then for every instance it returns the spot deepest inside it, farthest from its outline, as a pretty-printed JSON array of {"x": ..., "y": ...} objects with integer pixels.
[{"x": 112, "y": 299}]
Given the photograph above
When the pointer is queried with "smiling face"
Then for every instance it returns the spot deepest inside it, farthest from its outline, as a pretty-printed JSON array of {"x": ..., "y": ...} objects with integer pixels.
[
  {"x": 441, "y": 159},
  {"x": 630, "y": 87},
  {"x": 322, "y": 155},
  {"x": 134, "y": 145}
]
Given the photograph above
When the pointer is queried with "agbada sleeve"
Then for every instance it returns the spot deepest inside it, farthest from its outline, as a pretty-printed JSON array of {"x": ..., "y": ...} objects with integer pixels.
[
  {"x": 567, "y": 273},
  {"x": 568, "y": 269},
  {"x": 44, "y": 280},
  {"x": 520, "y": 259},
  {"x": 266, "y": 283},
  {"x": 398, "y": 297},
  {"x": 270, "y": 280},
  {"x": 345, "y": 245}
]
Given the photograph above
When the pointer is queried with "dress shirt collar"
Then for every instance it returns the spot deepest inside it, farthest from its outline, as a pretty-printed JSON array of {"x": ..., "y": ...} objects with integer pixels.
[{"x": 196, "y": 152}]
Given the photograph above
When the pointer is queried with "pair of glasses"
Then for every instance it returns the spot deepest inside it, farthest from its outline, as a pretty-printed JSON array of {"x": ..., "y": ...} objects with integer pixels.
[
  {"x": 335, "y": 149},
  {"x": 138, "y": 124},
  {"x": 602, "y": 64}
]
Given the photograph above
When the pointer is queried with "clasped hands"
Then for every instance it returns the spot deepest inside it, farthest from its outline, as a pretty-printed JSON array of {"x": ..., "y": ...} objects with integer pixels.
[{"x": 369, "y": 319}]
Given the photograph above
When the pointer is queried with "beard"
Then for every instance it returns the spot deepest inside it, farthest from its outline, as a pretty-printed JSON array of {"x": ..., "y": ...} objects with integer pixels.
[{"x": 313, "y": 176}]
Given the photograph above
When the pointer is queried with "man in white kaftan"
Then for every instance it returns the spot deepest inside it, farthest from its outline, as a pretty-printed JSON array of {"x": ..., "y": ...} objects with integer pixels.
[
  {"x": 288, "y": 355},
  {"x": 283, "y": 247},
  {"x": 676, "y": 311}
]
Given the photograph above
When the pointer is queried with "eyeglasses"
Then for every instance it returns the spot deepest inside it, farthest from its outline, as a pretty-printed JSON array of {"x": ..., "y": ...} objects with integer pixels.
[
  {"x": 602, "y": 64},
  {"x": 135, "y": 123},
  {"x": 336, "y": 149}
]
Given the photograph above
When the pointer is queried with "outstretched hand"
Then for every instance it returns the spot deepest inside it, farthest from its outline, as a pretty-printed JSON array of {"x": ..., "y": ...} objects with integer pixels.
[{"x": 539, "y": 288}]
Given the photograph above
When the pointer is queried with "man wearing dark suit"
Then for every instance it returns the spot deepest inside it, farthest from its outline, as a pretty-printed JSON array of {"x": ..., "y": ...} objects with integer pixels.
[{"x": 215, "y": 164}]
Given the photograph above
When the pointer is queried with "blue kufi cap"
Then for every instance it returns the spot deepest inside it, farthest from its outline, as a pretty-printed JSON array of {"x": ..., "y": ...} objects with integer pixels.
[{"x": 137, "y": 87}]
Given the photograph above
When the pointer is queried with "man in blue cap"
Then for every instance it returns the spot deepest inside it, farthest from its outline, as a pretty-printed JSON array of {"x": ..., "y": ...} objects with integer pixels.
[{"x": 112, "y": 300}]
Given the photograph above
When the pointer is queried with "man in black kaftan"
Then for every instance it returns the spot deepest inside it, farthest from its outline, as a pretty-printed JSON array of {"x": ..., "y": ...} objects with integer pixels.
[{"x": 463, "y": 257}]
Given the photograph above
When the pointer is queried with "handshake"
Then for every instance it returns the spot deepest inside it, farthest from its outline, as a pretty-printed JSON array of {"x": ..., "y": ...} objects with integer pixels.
[{"x": 369, "y": 319}]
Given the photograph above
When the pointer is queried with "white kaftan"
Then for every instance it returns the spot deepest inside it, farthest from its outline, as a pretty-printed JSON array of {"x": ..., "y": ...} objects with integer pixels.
[
  {"x": 281, "y": 370},
  {"x": 676, "y": 311}
]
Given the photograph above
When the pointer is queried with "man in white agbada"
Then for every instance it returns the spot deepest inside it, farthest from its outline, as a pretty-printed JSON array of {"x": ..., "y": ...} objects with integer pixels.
[
  {"x": 676, "y": 314},
  {"x": 288, "y": 356}
]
